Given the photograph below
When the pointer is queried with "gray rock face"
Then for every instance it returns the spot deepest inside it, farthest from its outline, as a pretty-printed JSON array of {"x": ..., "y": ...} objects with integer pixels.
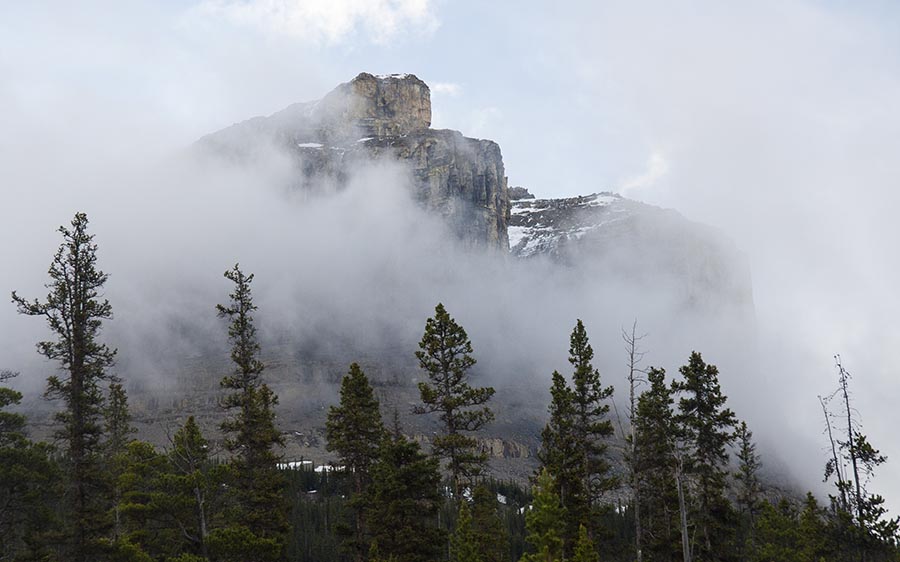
[
  {"x": 460, "y": 178},
  {"x": 636, "y": 242}
]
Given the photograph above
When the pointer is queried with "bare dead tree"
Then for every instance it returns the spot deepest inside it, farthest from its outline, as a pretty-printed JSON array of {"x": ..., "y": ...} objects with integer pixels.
[
  {"x": 834, "y": 466},
  {"x": 635, "y": 356}
]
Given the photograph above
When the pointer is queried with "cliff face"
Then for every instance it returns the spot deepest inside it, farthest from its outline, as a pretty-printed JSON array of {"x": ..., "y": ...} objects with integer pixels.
[{"x": 460, "y": 178}]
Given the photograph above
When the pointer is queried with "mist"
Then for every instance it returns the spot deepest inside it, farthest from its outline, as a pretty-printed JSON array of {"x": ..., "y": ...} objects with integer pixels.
[{"x": 777, "y": 123}]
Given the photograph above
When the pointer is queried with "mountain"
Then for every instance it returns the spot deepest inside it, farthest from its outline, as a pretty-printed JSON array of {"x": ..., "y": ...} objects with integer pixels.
[
  {"x": 460, "y": 178},
  {"x": 527, "y": 266},
  {"x": 646, "y": 245}
]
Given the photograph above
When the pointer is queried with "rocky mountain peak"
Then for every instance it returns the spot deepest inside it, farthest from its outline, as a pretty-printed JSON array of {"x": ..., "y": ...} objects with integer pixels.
[{"x": 386, "y": 105}]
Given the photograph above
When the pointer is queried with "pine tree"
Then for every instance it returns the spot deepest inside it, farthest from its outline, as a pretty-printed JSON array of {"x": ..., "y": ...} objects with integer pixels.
[
  {"x": 193, "y": 483},
  {"x": 860, "y": 517},
  {"x": 169, "y": 500},
  {"x": 655, "y": 468},
  {"x": 584, "y": 548},
  {"x": 747, "y": 475},
  {"x": 747, "y": 480},
  {"x": 706, "y": 427},
  {"x": 446, "y": 356},
  {"x": 591, "y": 425},
  {"x": 545, "y": 522},
  {"x": 404, "y": 503},
  {"x": 253, "y": 437},
  {"x": 463, "y": 544},
  {"x": 355, "y": 431},
  {"x": 118, "y": 434},
  {"x": 560, "y": 456},
  {"x": 27, "y": 482},
  {"x": 488, "y": 531},
  {"x": 75, "y": 313}
]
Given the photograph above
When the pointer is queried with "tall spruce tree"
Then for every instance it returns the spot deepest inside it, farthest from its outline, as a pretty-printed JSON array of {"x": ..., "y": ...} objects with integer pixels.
[
  {"x": 355, "y": 431},
  {"x": 591, "y": 424},
  {"x": 560, "y": 456},
  {"x": 446, "y": 356},
  {"x": 75, "y": 311},
  {"x": 706, "y": 427},
  {"x": 253, "y": 437}
]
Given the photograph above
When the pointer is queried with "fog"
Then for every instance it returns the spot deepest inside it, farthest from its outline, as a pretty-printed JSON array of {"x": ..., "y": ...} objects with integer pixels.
[{"x": 775, "y": 122}]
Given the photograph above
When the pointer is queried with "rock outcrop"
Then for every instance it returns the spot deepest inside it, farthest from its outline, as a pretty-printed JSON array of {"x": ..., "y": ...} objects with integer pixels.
[{"x": 460, "y": 178}]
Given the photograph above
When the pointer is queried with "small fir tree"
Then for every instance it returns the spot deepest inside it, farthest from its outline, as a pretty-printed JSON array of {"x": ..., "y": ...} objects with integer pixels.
[{"x": 545, "y": 522}]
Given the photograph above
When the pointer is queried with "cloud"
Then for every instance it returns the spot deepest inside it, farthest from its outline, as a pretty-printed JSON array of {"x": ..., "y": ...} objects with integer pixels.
[
  {"x": 446, "y": 88},
  {"x": 327, "y": 21},
  {"x": 657, "y": 168}
]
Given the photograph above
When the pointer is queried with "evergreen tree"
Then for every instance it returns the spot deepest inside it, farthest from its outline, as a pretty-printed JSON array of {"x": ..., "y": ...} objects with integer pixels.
[
  {"x": 169, "y": 500},
  {"x": 464, "y": 546},
  {"x": 859, "y": 517},
  {"x": 655, "y": 467},
  {"x": 354, "y": 430},
  {"x": 27, "y": 482},
  {"x": 446, "y": 356},
  {"x": 75, "y": 313},
  {"x": 488, "y": 531},
  {"x": 706, "y": 427},
  {"x": 747, "y": 483},
  {"x": 118, "y": 434},
  {"x": 584, "y": 548},
  {"x": 404, "y": 503},
  {"x": 574, "y": 440},
  {"x": 591, "y": 426},
  {"x": 258, "y": 485},
  {"x": 560, "y": 456},
  {"x": 545, "y": 522},
  {"x": 193, "y": 484}
]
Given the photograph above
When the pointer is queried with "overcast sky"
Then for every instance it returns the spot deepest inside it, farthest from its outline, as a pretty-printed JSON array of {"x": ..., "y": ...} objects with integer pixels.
[{"x": 776, "y": 121}]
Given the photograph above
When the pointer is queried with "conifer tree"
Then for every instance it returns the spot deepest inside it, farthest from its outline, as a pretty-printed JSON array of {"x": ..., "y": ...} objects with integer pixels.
[
  {"x": 27, "y": 481},
  {"x": 253, "y": 437},
  {"x": 488, "y": 531},
  {"x": 655, "y": 467},
  {"x": 545, "y": 522},
  {"x": 464, "y": 546},
  {"x": 404, "y": 503},
  {"x": 75, "y": 312},
  {"x": 118, "y": 434},
  {"x": 560, "y": 455},
  {"x": 193, "y": 483},
  {"x": 706, "y": 425},
  {"x": 573, "y": 444},
  {"x": 354, "y": 430},
  {"x": 591, "y": 425},
  {"x": 584, "y": 548},
  {"x": 446, "y": 356},
  {"x": 747, "y": 475}
]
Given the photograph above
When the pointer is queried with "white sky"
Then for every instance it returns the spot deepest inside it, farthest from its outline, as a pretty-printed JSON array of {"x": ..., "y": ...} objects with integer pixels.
[{"x": 776, "y": 121}]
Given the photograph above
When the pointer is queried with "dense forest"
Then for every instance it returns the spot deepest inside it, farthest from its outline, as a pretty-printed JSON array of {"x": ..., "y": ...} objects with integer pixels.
[{"x": 689, "y": 489}]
